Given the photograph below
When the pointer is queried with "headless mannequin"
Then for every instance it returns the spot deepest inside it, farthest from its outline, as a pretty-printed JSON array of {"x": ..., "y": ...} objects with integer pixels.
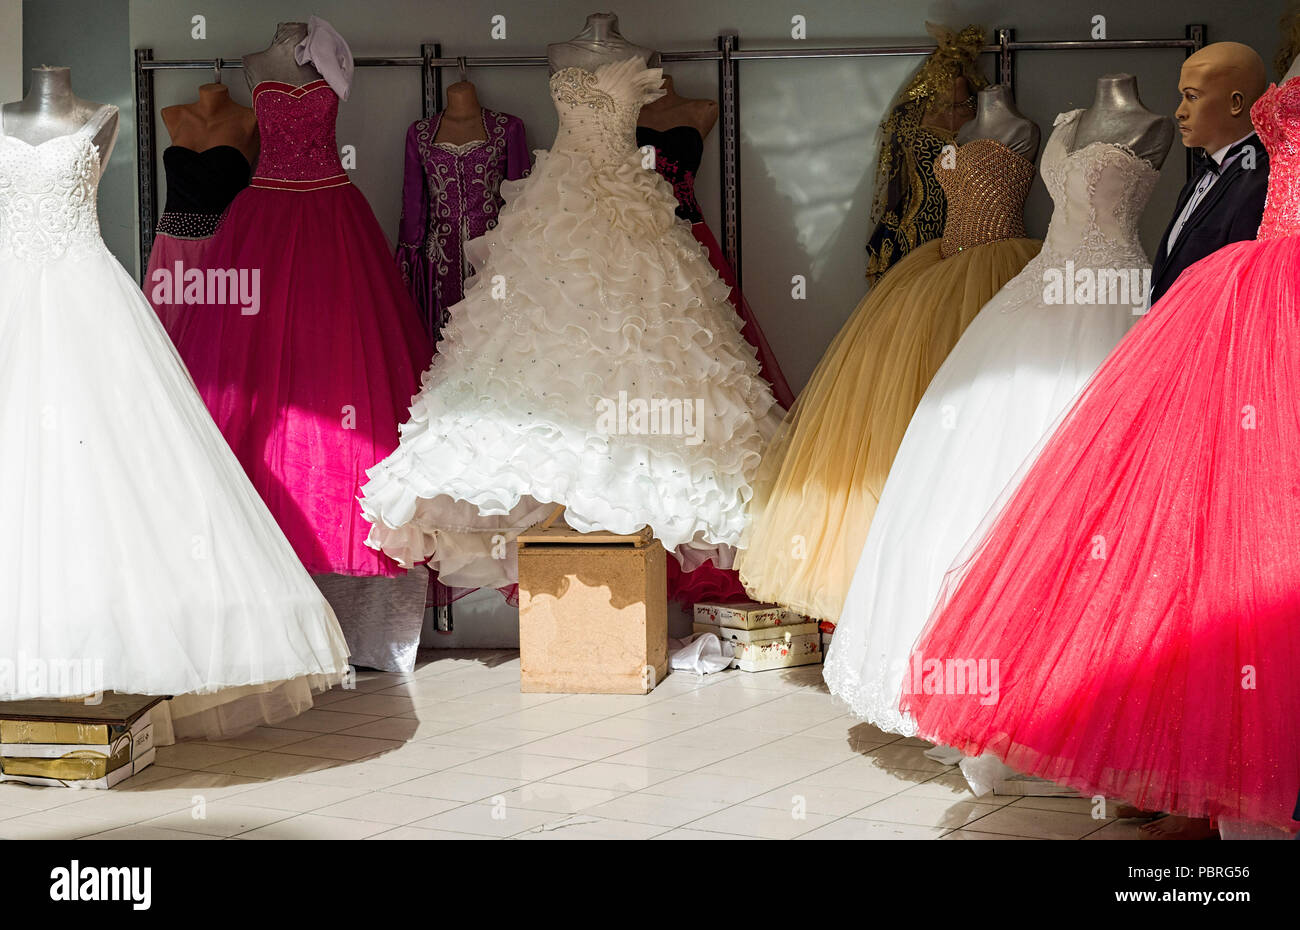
[
  {"x": 211, "y": 121},
  {"x": 277, "y": 62},
  {"x": 51, "y": 110},
  {"x": 673, "y": 110},
  {"x": 462, "y": 121},
  {"x": 598, "y": 44},
  {"x": 1118, "y": 117},
  {"x": 953, "y": 117},
  {"x": 997, "y": 118}
]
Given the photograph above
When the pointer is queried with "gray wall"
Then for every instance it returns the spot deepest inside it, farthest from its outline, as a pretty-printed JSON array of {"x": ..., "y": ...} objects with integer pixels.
[
  {"x": 808, "y": 128},
  {"x": 11, "y": 50},
  {"x": 93, "y": 38}
]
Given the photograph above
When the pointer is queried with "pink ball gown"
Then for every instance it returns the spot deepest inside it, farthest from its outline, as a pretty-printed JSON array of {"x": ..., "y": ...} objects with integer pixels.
[
  {"x": 309, "y": 389},
  {"x": 1132, "y": 609}
]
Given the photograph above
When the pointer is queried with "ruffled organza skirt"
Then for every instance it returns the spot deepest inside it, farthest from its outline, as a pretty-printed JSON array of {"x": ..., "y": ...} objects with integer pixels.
[
  {"x": 309, "y": 390},
  {"x": 591, "y": 301},
  {"x": 1009, "y": 378},
  {"x": 823, "y": 474},
  {"x": 1138, "y": 592},
  {"x": 137, "y": 557}
]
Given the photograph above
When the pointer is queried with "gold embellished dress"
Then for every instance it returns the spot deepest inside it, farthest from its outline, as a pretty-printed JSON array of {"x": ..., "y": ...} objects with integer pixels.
[{"x": 821, "y": 478}]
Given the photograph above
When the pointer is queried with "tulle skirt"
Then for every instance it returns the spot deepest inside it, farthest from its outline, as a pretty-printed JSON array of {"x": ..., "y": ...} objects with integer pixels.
[
  {"x": 823, "y": 474},
  {"x": 591, "y": 301},
  {"x": 1011, "y": 375},
  {"x": 308, "y": 389},
  {"x": 138, "y": 558},
  {"x": 1133, "y": 604}
]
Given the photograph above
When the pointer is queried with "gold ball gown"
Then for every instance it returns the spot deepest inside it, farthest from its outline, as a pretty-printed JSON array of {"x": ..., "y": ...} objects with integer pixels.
[{"x": 819, "y": 482}]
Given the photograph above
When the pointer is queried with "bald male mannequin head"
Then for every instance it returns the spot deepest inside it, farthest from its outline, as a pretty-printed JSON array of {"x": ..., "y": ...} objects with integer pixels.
[{"x": 1219, "y": 84}]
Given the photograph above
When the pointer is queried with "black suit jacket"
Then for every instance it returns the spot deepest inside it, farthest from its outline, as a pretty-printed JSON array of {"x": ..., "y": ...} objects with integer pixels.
[{"x": 1230, "y": 211}]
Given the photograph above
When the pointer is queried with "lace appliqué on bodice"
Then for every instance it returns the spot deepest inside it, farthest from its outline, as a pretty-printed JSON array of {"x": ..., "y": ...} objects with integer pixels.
[
  {"x": 986, "y": 185},
  {"x": 1099, "y": 192},
  {"x": 598, "y": 109},
  {"x": 49, "y": 195},
  {"x": 1276, "y": 115}
]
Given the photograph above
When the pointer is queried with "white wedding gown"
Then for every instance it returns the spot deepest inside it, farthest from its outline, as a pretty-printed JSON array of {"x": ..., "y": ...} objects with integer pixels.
[
  {"x": 589, "y": 297},
  {"x": 1011, "y": 375},
  {"x": 136, "y": 556}
]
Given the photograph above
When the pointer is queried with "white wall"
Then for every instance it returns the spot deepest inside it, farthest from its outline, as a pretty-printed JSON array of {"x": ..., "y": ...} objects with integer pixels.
[{"x": 11, "y": 50}]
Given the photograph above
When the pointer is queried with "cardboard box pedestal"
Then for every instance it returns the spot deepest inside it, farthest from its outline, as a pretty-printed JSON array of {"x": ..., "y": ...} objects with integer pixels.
[{"x": 593, "y": 612}]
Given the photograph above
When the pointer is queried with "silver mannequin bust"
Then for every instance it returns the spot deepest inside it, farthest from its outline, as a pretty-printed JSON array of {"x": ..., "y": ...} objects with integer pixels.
[
  {"x": 51, "y": 110},
  {"x": 277, "y": 62},
  {"x": 1118, "y": 116},
  {"x": 599, "y": 43},
  {"x": 996, "y": 117}
]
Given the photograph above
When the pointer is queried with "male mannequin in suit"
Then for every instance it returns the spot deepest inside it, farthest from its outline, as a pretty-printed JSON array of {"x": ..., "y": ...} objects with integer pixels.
[{"x": 1223, "y": 200}]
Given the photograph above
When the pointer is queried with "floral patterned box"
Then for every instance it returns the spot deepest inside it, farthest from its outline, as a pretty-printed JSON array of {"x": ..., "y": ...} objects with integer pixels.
[
  {"x": 743, "y": 615},
  {"x": 731, "y": 634},
  {"x": 778, "y": 653}
]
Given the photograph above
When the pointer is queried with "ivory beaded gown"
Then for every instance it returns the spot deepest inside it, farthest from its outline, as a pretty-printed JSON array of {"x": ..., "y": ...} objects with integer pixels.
[
  {"x": 590, "y": 294},
  {"x": 1139, "y": 588},
  {"x": 136, "y": 543},
  {"x": 1010, "y": 376},
  {"x": 821, "y": 477}
]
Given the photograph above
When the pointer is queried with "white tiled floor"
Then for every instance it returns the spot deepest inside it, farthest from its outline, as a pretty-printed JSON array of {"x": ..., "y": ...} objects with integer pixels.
[{"x": 454, "y": 751}]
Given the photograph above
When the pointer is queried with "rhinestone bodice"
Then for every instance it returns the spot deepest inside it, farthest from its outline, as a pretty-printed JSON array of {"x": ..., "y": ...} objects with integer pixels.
[
  {"x": 598, "y": 109},
  {"x": 297, "y": 129},
  {"x": 1276, "y": 115},
  {"x": 49, "y": 194},
  {"x": 986, "y": 184}
]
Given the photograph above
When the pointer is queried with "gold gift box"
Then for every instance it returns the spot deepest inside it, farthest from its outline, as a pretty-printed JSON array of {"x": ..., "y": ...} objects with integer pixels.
[
  {"x": 76, "y": 765},
  {"x": 56, "y": 721}
]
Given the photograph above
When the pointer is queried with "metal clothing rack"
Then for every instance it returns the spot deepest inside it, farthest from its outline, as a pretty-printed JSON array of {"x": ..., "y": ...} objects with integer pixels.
[{"x": 728, "y": 55}]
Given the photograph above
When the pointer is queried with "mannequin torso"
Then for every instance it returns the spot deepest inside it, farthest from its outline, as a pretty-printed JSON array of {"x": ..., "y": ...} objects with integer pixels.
[
  {"x": 599, "y": 43},
  {"x": 673, "y": 110},
  {"x": 277, "y": 62},
  {"x": 51, "y": 110},
  {"x": 958, "y": 113},
  {"x": 996, "y": 117},
  {"x": 1117, "y": 116},
  {"x": 213, "y": 120},
  {"x": 462, "y": 121}
]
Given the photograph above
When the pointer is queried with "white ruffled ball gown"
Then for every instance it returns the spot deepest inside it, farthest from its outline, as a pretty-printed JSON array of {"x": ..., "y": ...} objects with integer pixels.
[{"x": 591, "y": 301}]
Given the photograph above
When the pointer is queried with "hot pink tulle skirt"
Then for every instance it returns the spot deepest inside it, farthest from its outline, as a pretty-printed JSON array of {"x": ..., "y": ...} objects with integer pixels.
[
  {"x": 309, "y": 389},
  {"x": 1132, "y": 613}
]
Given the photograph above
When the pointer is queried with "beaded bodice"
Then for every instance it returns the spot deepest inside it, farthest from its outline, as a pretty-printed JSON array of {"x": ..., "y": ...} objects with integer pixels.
[
  {"x": 986, "y": 184},
  {"x": 296, "y": 124},
  {"x": 598, "y": 109},
  {"x": 49, "y": 194},
  {"x": 1276, "y": 115}
]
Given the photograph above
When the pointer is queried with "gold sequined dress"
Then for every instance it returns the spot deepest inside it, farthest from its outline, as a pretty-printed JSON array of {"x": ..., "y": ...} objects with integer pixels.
[{"x": 820, "y": 480}]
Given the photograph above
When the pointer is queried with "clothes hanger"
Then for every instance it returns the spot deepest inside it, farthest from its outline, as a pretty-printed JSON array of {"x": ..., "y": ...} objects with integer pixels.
[
  {"x": 463, "y": 64},
  {"x": 216, "y": 71}
]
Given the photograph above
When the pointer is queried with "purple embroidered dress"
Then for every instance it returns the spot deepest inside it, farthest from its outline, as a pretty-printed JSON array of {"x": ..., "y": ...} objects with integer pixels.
[{"x": 451, "y": 195}]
